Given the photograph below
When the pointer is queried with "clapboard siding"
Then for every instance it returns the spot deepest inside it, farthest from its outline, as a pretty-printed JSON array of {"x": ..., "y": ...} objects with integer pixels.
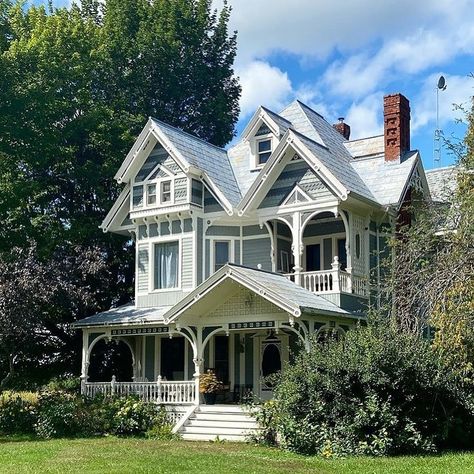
[
  {"x": 250, "y": 230},
  {"x": 161, "y": 298},
  {"x": 224, "y": 231},
  {"x": 143, "y": 265},
  {"x": 187, "y": 262},
  {"x": 295, "y": 174},
  {"x": 257, "y": 251}
]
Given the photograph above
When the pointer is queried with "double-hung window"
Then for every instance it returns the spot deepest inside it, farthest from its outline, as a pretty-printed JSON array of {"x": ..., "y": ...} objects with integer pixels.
[
  {"x": 264, "y": 150},
  {"x": 138, "y": 196},
  {"x": 151, "y": 193},
  {"x": 166, "y": 265},
  {"x": 221, "y": 254},
  {"x": 165, "y": 191}
]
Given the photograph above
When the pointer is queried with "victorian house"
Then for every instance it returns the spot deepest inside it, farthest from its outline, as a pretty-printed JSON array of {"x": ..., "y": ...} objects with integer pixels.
[{"x": 242, "y": 255}]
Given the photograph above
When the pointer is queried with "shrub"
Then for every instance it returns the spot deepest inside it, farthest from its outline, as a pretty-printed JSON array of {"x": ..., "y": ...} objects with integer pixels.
[
  {"x": 377, "y": 392},
  {"x": 128, "y": 416},
  {"x": 17, "y": 413},
  {"x": 62, "y": 414},
  {"x": 162, "y": 428},
  {"x": 65, "y": 384}
]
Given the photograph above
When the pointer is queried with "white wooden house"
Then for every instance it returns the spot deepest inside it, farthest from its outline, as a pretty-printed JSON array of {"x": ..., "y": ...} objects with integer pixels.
[{"x": 243, "y": 254}]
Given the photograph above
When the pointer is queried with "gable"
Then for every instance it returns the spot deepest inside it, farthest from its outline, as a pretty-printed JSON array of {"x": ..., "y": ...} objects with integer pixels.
[
  {"x": 158, "y": 164},
  {"x": 295, "y": 174}
]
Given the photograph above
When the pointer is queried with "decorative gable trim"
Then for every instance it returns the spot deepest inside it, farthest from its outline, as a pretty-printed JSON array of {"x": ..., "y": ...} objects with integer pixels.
[
  {"x": 294, "y": 197},
  {"x": 416, "y": 179},
  {"x": 110, "y": 220},
  {"x": 261, "y": 117},
  {"x": 153, "y": 132},
  {"x": 224, "y": 273},
  {"x": 291, "y": 138}
]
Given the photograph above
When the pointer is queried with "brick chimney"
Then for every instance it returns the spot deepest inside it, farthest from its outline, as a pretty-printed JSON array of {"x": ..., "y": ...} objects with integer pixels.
[
  {"x": 343, "y": 128},
  {"x": 396, "y": 119}
]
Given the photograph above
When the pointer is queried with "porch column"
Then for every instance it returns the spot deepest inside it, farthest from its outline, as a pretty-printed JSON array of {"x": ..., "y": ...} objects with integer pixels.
[
  {"x": 85, "y": 359},
  {"x": 198, "y": 360},
  {"x": 297, "y": 247}
]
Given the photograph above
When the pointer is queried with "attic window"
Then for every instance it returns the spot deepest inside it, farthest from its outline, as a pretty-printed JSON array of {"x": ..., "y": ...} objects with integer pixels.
[
  {"x": 264, "y": 150},
  {"x": 165, "y": 191}
]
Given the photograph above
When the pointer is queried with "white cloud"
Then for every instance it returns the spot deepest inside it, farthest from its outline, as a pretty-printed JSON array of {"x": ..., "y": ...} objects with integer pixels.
[
  {"x": 423, "y": 107},
  {"x": 263, "y": 84},
  {"x": 365, "y": 117},
  {"x": 317, "y": 27},
  {"x": 361, "y": 74}
]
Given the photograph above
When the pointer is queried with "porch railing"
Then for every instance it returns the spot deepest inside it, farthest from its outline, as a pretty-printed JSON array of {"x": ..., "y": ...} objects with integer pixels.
[
  {"x": 161, "y": 391},
  {"x": 332, "y": 281}
]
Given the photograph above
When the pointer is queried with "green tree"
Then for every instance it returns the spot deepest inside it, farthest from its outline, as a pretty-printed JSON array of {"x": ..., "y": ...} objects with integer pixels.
[{"x": 77, "y": 86}]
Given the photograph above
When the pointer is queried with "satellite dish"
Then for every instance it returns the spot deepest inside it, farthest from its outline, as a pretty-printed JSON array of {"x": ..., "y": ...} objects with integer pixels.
[{"x": 442, "y": 83}]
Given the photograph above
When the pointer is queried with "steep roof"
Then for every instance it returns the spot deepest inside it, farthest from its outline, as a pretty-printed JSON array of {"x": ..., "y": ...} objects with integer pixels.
[
  {"x": 442, "y": 183},
  {"x": 386, "y": 180},
  {"x": 206, "y": 157}
]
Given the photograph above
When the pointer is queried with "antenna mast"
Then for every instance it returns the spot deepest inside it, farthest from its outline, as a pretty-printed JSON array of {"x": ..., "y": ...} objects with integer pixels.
[{"x": 441, "y": 86}]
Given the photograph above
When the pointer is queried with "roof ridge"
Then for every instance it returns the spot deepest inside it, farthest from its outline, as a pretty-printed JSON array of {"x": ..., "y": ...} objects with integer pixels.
[
  {"x": 237, "y": 265},
  {"x": 275, "y": 113},
  {"x": 195, "y": 137}
]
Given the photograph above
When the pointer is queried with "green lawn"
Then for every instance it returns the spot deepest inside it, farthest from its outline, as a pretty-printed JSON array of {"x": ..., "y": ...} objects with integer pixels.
[{"x": 112, "y": 455}]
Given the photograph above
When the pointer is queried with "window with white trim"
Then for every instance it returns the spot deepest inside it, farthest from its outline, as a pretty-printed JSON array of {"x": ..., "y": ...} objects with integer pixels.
[
  {"x": 264, "y": 150},
  {"x": 151, "y": 194},
  {"x": 221, "y": 253},
  {"x": 165, "y": 195},
  {"x": 166, "y": 265},
  {"x": 137, "y": 196}
]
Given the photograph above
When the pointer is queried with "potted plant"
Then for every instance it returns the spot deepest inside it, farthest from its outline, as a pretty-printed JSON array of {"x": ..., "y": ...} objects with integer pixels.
[{"x": 209, "y": 385}]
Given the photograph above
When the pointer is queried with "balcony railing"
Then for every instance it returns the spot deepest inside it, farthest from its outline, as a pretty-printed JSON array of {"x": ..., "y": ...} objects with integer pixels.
[
  {"x": 161, "y": 392},
  {"x": 332, "y": 281}
]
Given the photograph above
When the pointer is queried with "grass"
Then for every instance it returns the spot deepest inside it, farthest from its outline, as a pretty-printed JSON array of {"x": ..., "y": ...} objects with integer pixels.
[{"x": 114, "y": 455}]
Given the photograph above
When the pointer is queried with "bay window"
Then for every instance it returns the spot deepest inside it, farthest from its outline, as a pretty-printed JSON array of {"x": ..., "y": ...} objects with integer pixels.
[{"x": 166, "y": 265}]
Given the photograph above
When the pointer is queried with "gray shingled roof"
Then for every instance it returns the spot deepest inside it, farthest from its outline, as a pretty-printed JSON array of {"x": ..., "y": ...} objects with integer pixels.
[
  {"x": 282, "y": 123},
  {"x": 442, "y": 183},
  {"x": 125, "y": 314},
  {"x": 206, "y": 157},
  {"x": 340, "y": 166},
  {"x": 386, "y": 180},
  {"x": 293, "y": 293}
]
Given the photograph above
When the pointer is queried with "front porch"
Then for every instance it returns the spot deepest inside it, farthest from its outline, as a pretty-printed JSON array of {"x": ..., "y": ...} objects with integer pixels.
[{"x": 243, "y": 324}]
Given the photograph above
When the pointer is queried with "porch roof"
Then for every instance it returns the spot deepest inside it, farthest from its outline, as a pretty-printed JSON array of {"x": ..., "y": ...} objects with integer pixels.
[
  {"x": 274, "y": 287},
  {"x": 126, "y": 314}
]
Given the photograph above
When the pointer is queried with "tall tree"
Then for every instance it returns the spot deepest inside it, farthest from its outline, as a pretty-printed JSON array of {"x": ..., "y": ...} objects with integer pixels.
[{"x": 76, "y": 87}]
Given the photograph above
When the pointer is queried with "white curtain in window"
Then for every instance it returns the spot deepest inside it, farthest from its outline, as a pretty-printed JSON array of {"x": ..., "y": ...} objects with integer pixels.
[{"x": 166, "y": 265}]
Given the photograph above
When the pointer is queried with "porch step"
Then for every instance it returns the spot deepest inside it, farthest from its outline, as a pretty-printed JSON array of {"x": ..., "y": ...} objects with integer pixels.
[{"x": 225, "y": 422}]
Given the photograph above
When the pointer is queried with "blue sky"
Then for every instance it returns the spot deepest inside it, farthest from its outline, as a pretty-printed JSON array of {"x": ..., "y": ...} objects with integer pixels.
[{"x": 341, "y": 56}]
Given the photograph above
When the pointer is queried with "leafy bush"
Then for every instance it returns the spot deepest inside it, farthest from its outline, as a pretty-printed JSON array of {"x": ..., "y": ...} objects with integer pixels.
[
  {"x": 17, "y": 413},
  {"x": 377, "y": 392},
  {"x": 62, "y": 414},
  {"x": 65, "y": 384},
  {"x": 162, "y": 429},
  {"x": 126, "y": 416}
]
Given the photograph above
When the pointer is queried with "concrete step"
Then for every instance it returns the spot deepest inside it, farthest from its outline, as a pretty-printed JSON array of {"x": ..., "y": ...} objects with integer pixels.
[
  {"x": 221, "y": 409},
  {"x": 221, "y": 424},
  {"x": 229, "y": 430},
  {"x": 230, "y": 417},
  {"x": 225, "y": 422},
  {"x": 206, "y": 437}
]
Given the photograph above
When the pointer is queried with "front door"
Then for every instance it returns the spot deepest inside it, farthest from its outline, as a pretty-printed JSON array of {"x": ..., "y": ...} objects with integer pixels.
[{"x": 270, "y": 363}]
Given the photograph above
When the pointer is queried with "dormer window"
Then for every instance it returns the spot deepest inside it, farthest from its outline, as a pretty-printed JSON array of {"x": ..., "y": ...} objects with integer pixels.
[
  {"x": 137, "y": 196},
  {"x": 151, "y": 193},
  {"x": 165, "y": 191},
  {"x": 264, "y": 150}
]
